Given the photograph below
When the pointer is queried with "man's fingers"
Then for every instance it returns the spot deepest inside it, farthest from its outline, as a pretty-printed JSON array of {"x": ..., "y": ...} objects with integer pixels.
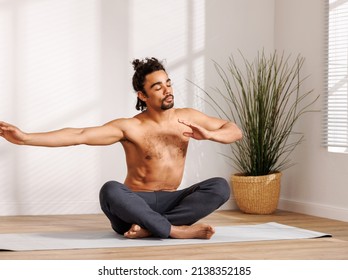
[
  {"x": 188, "y": 134},
  {"x": 181, "y": 121},
  {"x": 187, "y": 123},
  {"x": 184, "y": 122},
  {"x": 4, "y": 126}
]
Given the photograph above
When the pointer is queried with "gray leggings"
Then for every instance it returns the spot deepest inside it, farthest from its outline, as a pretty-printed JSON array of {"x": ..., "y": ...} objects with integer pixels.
[{"x": 157, "y": 211}]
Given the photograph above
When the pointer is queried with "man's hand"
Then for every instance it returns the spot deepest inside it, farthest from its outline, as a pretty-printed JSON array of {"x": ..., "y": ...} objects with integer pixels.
[
  {"x": 12, "y": 133},
  {"x": 198, "y": 132}
]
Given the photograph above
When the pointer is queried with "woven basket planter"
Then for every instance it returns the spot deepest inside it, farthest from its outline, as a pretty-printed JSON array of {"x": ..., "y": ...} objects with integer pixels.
[{"x": 256, "y": 194}]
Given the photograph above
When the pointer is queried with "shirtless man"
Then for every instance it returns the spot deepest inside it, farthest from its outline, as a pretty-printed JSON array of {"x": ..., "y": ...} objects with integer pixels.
[{"x": 155, "y": 143}]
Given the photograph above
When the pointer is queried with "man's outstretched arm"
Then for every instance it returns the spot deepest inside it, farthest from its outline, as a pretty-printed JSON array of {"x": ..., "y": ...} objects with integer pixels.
[{"x": 106, "y": 134}]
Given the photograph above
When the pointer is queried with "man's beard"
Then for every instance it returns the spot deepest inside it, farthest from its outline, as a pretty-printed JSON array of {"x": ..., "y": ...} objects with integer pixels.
[{"x": 169, "y": 105}]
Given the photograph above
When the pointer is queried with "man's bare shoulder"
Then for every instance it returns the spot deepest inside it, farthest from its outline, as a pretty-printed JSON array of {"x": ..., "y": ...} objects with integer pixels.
[
  {"x": 187, "y": 113},
  {"x": 123, "y": 123}
]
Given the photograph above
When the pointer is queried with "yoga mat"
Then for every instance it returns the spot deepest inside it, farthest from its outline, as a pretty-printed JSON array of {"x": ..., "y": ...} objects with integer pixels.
[{"x": 110, "y": 239}]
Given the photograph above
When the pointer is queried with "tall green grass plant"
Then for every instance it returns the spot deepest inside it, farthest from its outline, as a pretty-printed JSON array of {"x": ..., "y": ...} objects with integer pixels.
[{"x": 265, "y": 98}]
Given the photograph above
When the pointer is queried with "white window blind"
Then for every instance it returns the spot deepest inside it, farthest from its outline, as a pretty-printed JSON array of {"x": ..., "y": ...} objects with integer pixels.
[{"x": 336, "y": 99}]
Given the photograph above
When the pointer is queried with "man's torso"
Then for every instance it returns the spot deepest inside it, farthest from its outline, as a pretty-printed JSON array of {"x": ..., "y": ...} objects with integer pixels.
[{"x": 155, "y": 153}]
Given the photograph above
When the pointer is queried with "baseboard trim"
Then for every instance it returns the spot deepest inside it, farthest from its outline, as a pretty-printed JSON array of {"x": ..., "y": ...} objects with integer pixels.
[
  {"x": 308, "y": 208},
  {"x": 49, "y": 208},
  {"x": 314, "y": 209}
]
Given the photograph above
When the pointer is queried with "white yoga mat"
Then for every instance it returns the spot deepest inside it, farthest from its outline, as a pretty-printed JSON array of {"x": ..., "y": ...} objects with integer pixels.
[{"x": 109, "y": 239}]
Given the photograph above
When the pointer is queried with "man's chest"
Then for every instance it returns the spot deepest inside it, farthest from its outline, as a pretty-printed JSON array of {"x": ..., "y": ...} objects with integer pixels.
[{"x": 162, "y": 143}]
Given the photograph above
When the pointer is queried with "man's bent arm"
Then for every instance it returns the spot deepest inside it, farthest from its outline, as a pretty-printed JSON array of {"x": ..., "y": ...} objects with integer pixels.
[
  {"x": 226, "y": 134},
  {"x": 210, "y": 128}
]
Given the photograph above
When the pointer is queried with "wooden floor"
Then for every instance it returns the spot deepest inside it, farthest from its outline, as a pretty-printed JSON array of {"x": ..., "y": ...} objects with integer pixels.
[{"x": 312, "y": 249}]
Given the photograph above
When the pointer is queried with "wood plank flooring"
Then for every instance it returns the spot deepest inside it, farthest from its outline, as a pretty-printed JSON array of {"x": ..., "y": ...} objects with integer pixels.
[{"x": 335, "y": 248}]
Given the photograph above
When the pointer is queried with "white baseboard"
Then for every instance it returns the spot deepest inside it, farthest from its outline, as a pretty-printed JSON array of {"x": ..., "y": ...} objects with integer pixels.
[
  {"x": 314, "y": 209},
  {"x": 51, "y": 208},
  {"x": 308, "y": 208}
]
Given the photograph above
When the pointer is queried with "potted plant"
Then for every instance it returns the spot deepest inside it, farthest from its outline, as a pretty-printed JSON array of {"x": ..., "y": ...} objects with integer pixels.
[{"x": 264, "y": 97}]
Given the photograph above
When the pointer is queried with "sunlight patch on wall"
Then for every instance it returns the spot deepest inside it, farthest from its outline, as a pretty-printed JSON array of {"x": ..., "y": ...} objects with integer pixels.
[
  {"x": 58, "y": 63},
  {"x": 198, "y": 25},
  {"x": 161, "y": 30},
  {"x": 174, "y": 31},
  {"x": 52, "y": 49},
  {"x": 5, "y": 62}
]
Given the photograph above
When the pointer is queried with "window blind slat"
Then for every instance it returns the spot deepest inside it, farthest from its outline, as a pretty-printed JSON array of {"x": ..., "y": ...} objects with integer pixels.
[{"x": 335, "y": 117}]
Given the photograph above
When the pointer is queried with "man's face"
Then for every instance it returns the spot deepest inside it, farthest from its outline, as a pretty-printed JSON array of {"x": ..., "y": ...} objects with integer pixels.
[{"x": 159, "y": 91}]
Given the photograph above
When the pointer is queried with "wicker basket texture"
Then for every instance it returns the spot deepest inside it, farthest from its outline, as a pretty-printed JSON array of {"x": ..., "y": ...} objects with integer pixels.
[{"x": 256, "y": 194}]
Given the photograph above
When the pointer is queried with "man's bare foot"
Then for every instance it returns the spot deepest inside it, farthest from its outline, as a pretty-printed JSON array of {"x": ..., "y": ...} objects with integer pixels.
[
  {"x": 137, "y": 232},
  {"x": 201, "y": 231}
]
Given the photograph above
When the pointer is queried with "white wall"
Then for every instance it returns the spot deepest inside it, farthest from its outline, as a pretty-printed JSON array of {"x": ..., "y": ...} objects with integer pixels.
[
  {"x": 318, "y": 184},
  {"x": 67, "y": 63}
]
